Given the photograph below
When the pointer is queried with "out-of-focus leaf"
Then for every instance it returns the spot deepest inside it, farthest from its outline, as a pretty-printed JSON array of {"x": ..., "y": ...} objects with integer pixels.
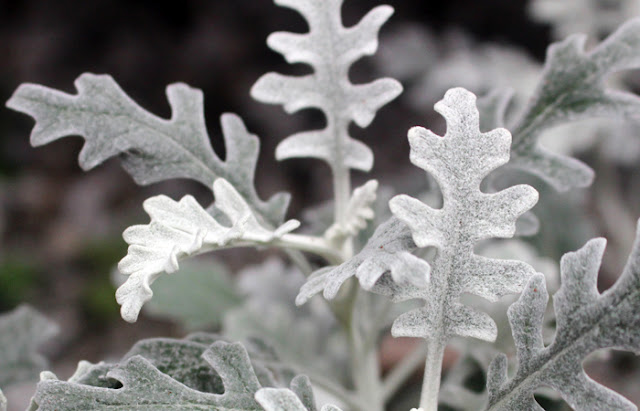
[
  {"x": 572, "y": 88},
  {"x": 21, "y": 332},
  {"x": 204, "y": 292},
  {"x": 298, "y": 398},
  {"x": 306, "y": 337}
]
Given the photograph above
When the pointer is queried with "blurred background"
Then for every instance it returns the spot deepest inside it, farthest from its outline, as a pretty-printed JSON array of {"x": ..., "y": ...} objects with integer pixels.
[{"x": 61, "y": 228}]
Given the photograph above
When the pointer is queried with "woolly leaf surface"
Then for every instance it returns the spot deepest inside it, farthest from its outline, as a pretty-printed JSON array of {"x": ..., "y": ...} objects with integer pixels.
[
  {"x": 330, "y": 49},
  {"x": 180, "y": 229},
  {"x": 151, "y": 148},
  {"x": 586, "y": 321},
  {"x": 388, "y": 250},
  {"x": 145, "y": 387},
  {"x": 573, "y": 88},
  {"x": 459, "y": 162}
]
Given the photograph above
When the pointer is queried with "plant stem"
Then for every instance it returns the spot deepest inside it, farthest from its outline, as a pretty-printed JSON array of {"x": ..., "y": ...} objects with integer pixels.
[
  {"x": 403, "y": 370},
  {"x": 300, "y": 261},
  {"x": 315, "y": 245},
  {"x": 365, "y": 366},
  {"x": 432, "y": 371}
]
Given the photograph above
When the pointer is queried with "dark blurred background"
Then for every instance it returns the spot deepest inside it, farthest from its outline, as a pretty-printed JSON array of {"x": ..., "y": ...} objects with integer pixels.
[{"x": 61, "y": 227}]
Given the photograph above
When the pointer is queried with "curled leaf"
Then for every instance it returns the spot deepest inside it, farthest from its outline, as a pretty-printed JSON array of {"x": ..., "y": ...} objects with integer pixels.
[
  {"x": 181, "y": 229},
  {"x": 388, "y": 250},
  {"x": 358, "y": 212}
]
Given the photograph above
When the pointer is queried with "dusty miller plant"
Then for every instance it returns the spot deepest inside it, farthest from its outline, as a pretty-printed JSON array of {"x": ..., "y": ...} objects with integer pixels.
[{"x": 374, "y": 262}]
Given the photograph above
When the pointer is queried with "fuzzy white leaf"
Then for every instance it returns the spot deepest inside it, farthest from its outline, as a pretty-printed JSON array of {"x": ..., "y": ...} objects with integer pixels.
[
  {"x": 151, "y": 148},
  {"x": 459, "y": 161},
  {"x": 181, "y": 229},
  {"x": 3, "y": 402},
  {"x": 330, "y": 49},
  {"x": 358, "y": 211},
  {"x": 586, "y": 321},
  {"x": 388, "y": 250}
]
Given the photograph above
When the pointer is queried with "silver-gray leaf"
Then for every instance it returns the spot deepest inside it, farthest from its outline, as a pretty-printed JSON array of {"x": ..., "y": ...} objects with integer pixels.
[
  {"x": 388, "y": 250},
  {"x": 21, "y": 332},
  {"x": 145, "y": 387},
  {"x": 459, "y": 162},
  {"x": 573, "y": 88},
  {"x": 151, "y": 148},
  {"x": 586, "y": 321},
  {"x": 331, "y": 49}
]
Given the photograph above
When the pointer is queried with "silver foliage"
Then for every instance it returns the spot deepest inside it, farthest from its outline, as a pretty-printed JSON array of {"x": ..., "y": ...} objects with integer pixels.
[
  {"x": 331, "y": 49},
  {"x": 586, "y": 321},
  {"x": 459, "y": 161},
  {"x": 162, "y": 374},
  {"x": 184, "y": 228},
  {"x": 388, "y": 250},
  {"x": 572, "y": 88},
  {"x": 151, "y": 148}
]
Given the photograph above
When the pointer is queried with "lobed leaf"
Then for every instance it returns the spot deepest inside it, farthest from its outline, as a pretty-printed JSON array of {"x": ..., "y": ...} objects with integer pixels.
[
  {"x": 459, "y": 162},
  {"x": 388, "y": 250},
  {"x": 151, "y": 148},
  {"x": 22, "y": 331},
  {"x": 180, "y": 229},
  {"x": 358, "y": 212},
  {"x": 205, "y": 291},
  {"x": 572, "y": 88},
  {"x": 145, "y": 387},
  {"x": 298, "y": 398},
  {"x": 164, "y": 374},
  {"x": 586, "y": 321},
  {"x": 330, "y": 49},
  {"x": 201, "y": 372}
]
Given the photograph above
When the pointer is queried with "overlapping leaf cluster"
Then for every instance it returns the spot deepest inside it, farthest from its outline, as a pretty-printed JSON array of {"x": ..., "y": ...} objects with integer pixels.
[
  {"x": 204, "y": 372},
  {"x": 201, "y": 372}
]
